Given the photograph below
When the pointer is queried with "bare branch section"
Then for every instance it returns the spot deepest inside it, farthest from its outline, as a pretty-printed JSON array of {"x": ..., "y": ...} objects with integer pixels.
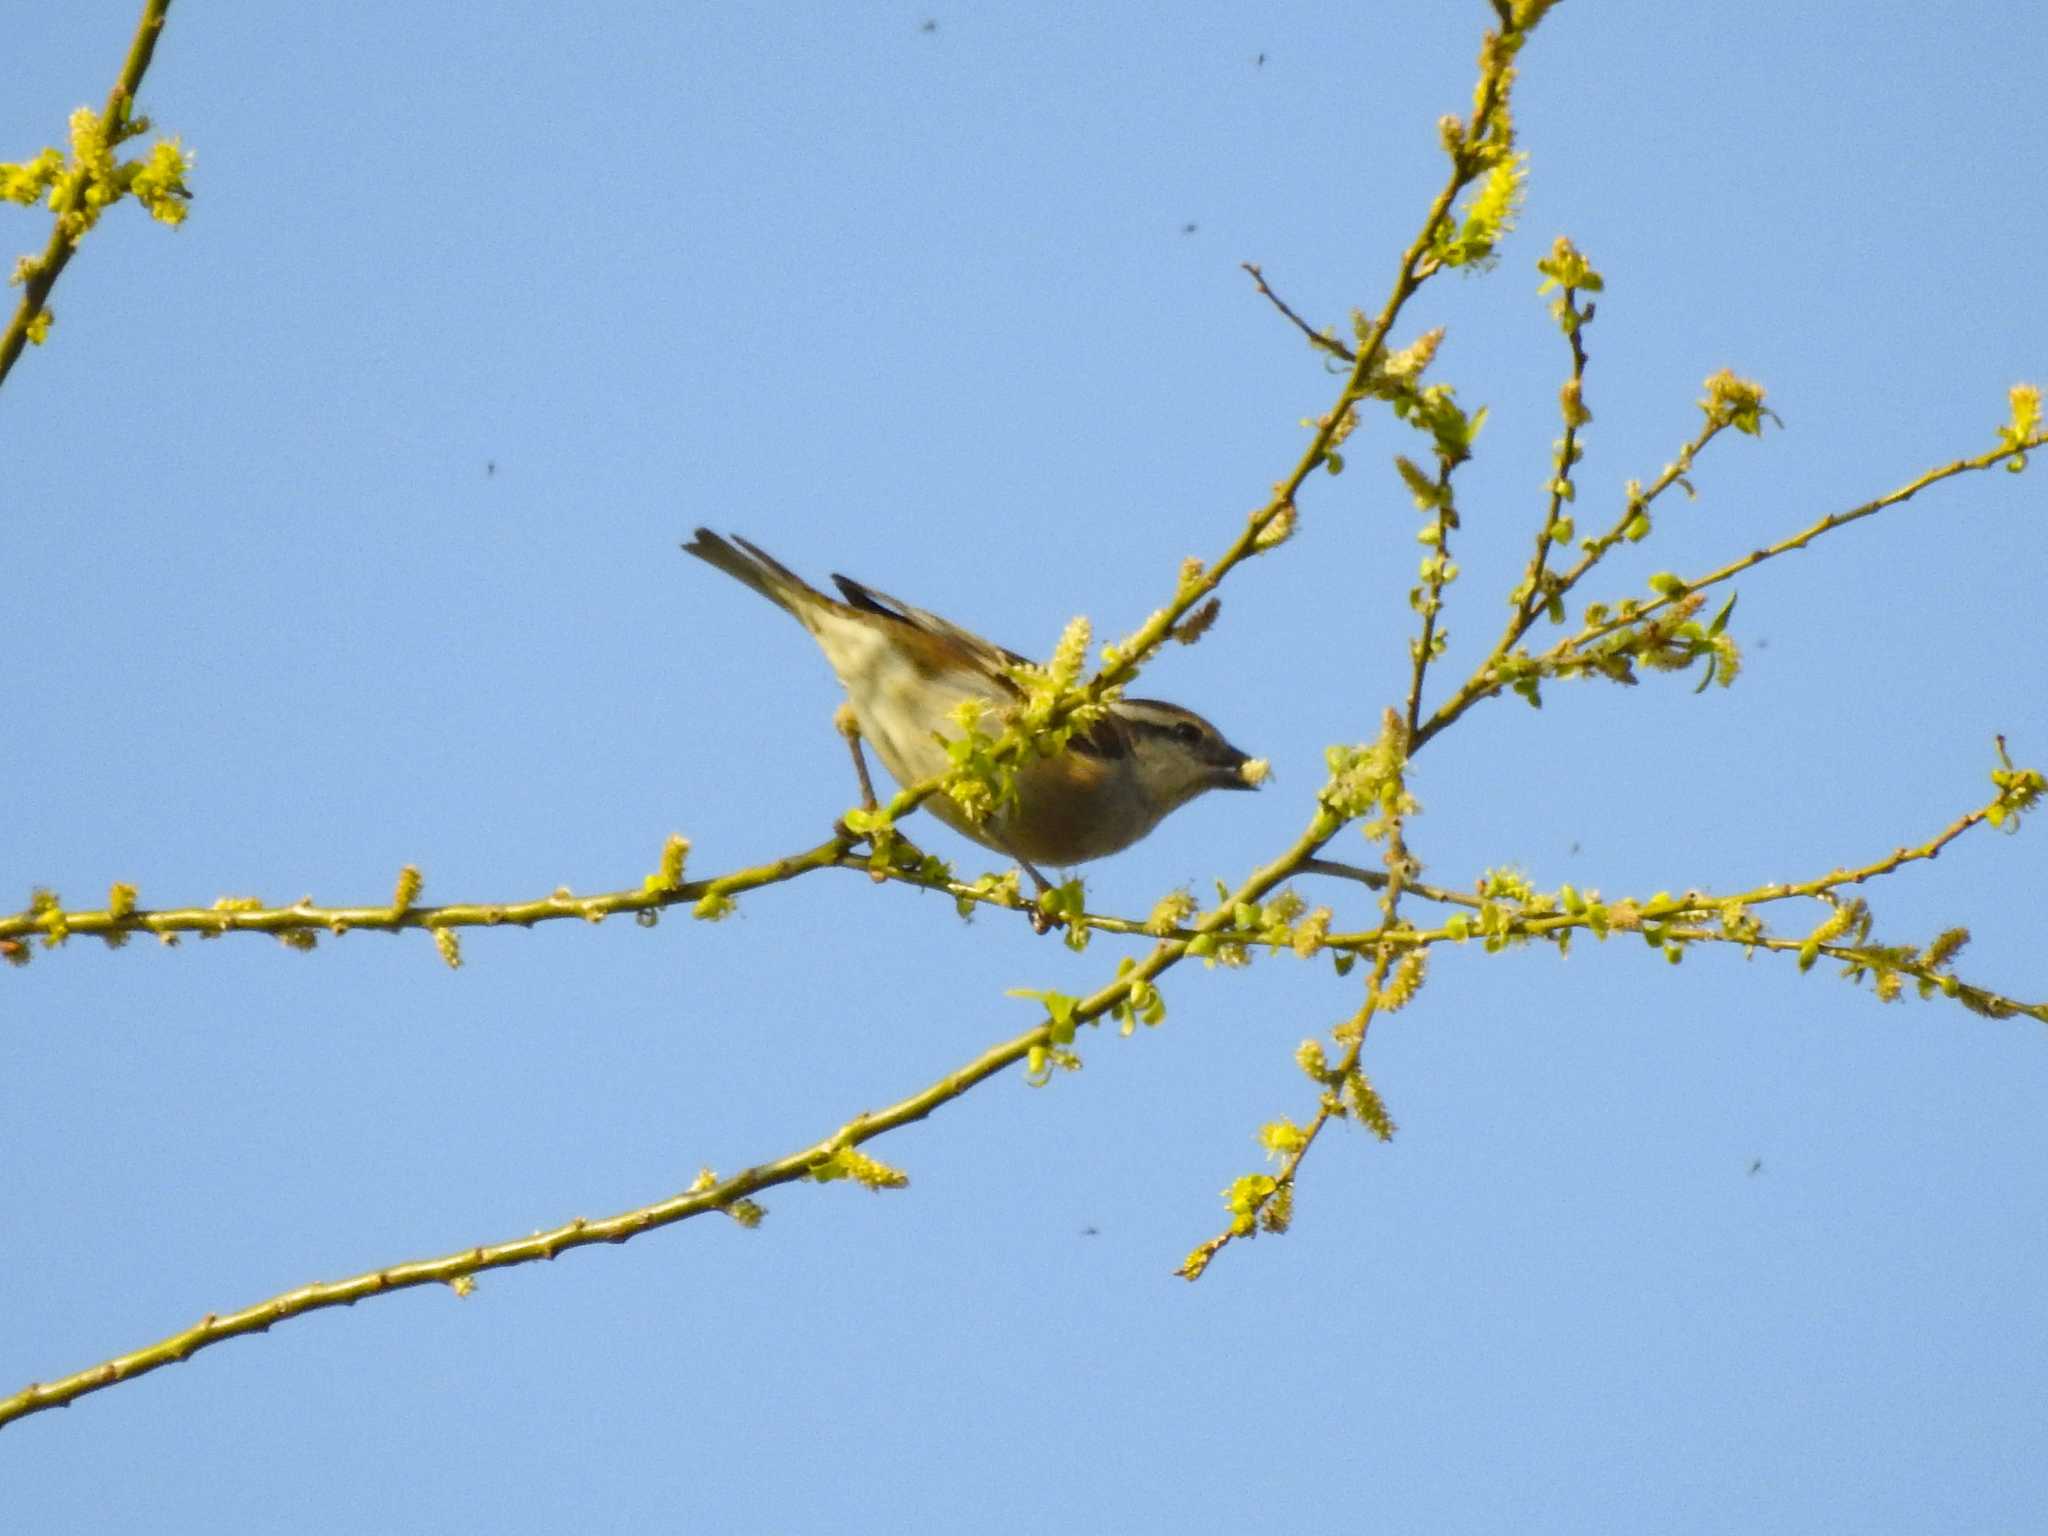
[{"x": 117, "y": 124}]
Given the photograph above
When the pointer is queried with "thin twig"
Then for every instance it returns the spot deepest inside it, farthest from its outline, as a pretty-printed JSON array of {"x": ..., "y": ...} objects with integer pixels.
[
  {"x": 1424, "y": 645},
  {"x": 1316, "y": 338},
  {"x": 1804, "y": 537},
  {"x": 1392, "y": 940},
  {"x": 1534, "y": 598}
]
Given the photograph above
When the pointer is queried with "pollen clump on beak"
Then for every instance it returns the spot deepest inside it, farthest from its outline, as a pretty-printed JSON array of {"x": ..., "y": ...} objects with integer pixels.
[{"x": 1253, "y": 771}]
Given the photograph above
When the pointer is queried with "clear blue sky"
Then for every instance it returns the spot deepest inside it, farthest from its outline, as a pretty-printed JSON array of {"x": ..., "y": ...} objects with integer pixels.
[{"x": 921, "y": 306}]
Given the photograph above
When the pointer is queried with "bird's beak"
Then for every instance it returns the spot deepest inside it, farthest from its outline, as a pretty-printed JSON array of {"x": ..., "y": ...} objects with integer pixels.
[{"x": 1240, "y": 772}]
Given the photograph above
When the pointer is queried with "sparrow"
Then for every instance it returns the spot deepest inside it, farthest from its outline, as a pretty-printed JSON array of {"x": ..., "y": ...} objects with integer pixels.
[{"x": 907, "y": 671}]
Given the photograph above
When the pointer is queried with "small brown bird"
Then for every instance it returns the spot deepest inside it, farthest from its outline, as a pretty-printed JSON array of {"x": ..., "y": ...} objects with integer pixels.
[{"x": 905, "y": 671}]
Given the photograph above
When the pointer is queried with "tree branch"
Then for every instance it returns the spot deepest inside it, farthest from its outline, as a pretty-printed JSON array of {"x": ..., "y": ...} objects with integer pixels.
[
  {"x": 42, "y": 273},
  {"x": 451, "y": 1269}
]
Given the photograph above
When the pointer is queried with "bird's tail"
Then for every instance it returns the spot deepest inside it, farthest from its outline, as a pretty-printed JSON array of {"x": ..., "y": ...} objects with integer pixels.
[{"x": 763, "y": 572}]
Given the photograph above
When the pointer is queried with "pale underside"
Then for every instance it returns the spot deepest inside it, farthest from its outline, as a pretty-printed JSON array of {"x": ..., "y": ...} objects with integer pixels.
[{"x": 895, "y": 702}]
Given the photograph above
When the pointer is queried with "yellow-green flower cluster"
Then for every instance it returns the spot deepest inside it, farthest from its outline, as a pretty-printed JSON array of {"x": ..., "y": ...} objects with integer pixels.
[
  {"x": 47, "y": 908},
  {"x": 158, "y": 181},
  {"x": 852, "y": 1163},
  {"x": 668, "y": 875},
  {"x": 1400, "y": 988},
  {"x": 2019, "y": 791},
  {"x": 1049, "y": 692},
  {"x": 92, "y": 155},
  {"x": 1668, "y": 638},
  {"x": 714, "y": 907},
  {"x": 1851, "y": 918},
  {"x": 1488, "y": 214},
  {"x": 1197, "y": 624},
  {"x": 1002, "y": 888},
  {"x": 26, "y": 181},
  {"x": 1140, "y": 1004},
  {"x": 977, "y": 783},
  {"x": 1173, "y": 909},
  {"x": 1364, "y": 1102},
  {"x": 1566, "y": 269},
  {"x": 744, "y": 1211},
  {"x": 1056, "y": 1050},
  {"x": 1282, "y": 1138},
  {"x": 1366, "y": 781},
  {"x": 1733, "y": 402},
  {"x": 1347, "y": 1091},
  {"x": 1399, "y": 372},
  {"x": 1067, "y": 905},
  {"x": 2024, "y": 429},
  {"x": 1244, "y": 1200}
]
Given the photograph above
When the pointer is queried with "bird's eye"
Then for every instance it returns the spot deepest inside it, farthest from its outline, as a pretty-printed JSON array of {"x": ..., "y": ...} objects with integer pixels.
[{"x": 1187, "y": 733}]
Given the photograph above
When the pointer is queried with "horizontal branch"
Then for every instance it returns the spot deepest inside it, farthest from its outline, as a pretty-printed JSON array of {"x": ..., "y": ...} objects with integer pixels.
[
  {"x": 1663, "y": 918},
  {"x": 52, "y": 923}
]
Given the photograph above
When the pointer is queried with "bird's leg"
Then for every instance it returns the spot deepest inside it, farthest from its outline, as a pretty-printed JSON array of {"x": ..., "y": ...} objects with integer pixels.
[
  {"x": 1041, "y": 920},
  {"x": 848, "y": 725},
  {"x": 845, "y": 722},
  {"x": 1037, "y": 879}
]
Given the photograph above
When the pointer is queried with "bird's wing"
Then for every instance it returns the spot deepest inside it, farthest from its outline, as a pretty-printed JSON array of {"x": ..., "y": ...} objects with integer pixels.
[{"x": 994, "y": 658}]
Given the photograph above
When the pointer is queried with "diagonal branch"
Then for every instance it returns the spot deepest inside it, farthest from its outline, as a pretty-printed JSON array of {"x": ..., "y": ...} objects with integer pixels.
[
  {"x": 450, "y": 1269},
  {"x": 1486, "y": 679},
  {"x": 1679, "y": 591},
  {"x": 1273, "y": 521},
  {"x": 43, "y": 272}
]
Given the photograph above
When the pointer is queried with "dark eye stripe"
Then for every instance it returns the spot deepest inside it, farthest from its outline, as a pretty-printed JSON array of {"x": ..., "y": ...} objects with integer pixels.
[{"x": 1106, "y": 740}]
